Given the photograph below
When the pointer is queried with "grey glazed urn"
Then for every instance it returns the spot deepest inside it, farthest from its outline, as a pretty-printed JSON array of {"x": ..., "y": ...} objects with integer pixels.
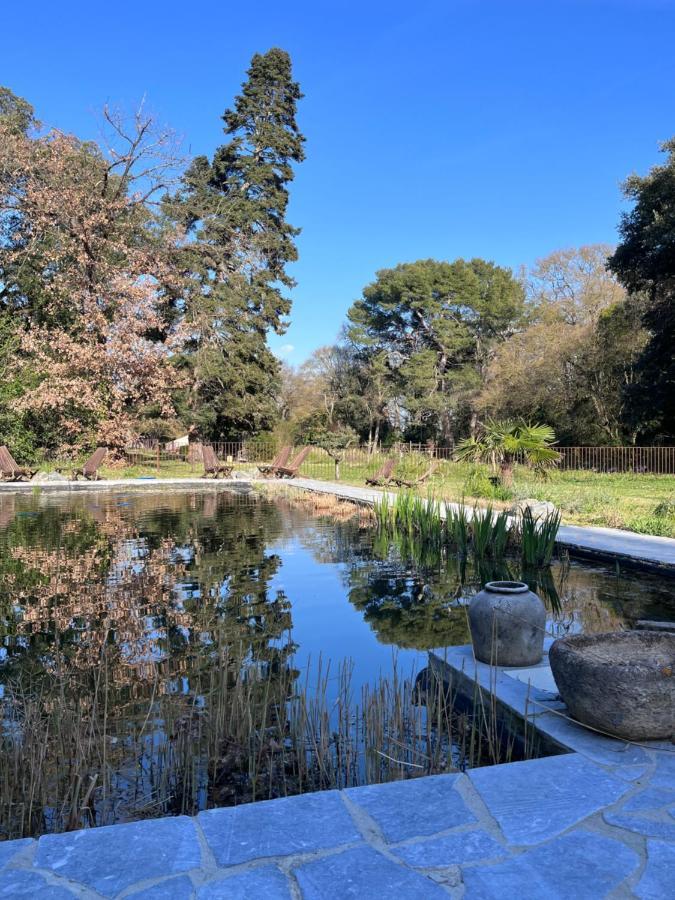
[
  {"x": 622, "y": 683},
  {"x": 507, "y": 623}
]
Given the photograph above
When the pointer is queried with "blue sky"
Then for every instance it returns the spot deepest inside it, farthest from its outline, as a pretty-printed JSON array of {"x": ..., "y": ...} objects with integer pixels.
[{"x": 493, "y": 128}]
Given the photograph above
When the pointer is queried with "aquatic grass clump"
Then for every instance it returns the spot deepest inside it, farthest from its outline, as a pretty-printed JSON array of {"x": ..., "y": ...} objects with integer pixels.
[
  {"x": 489, "y": 533},
  {"x": 70, "y": 759},
  {"x": 457, "y": 528},
  {"x": 537, "y": 536}
]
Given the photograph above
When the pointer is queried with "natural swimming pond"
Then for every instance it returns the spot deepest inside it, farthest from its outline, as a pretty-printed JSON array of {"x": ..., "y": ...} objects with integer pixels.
[{"x": 164, "y": 652}]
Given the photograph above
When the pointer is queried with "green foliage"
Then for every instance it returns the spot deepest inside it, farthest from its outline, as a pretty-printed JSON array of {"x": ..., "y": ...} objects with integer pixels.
[
  {"x": 429, "y": 326},
  {"x": 502, "y": 444},
  {"x": 479, "y": 484},
  {"x": 644, "y": 262},
  {"x": 234, "y": 207},
  {"x": 537, "y": 535}
]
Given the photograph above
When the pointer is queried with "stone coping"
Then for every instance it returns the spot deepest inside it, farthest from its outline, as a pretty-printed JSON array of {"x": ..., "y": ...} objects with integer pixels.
[{"x": 558, "y": 827}]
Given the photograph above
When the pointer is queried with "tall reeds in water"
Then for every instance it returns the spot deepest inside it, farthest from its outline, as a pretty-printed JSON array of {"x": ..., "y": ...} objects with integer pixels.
[
  {"x": 483, "y": 532},
  {"x": 71, "y": 755}
]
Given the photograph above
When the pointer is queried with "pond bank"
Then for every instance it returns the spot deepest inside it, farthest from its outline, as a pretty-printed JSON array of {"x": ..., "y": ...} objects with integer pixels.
[
  {"x": 626, "y": 548},
  {"x": 607, "y": 544},
  {"x": 558, "y": 826}
]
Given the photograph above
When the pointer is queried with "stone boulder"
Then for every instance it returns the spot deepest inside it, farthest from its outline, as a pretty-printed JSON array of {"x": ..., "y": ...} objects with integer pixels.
[
  {"x": 57, "y": 477},
  {"x": 539, "y": 508}
]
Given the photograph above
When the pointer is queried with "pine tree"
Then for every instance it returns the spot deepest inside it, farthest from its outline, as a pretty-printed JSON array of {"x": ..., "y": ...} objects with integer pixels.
[{"x": 234, "y": 208}]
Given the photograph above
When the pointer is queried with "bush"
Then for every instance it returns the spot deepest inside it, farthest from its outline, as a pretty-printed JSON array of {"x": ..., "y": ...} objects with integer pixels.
[{"x": 479, "y": 484}]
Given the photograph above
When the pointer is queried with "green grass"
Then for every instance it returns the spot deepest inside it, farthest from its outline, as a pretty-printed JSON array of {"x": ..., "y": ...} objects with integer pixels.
[{"x": 643, "y": 503}]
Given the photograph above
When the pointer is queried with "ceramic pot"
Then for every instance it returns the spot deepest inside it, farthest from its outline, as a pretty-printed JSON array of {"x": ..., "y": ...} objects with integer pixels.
[{"x": 507, "y": 623}]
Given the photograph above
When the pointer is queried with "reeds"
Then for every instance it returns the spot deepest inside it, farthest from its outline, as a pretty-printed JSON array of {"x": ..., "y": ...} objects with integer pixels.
[
  {"x": 537, "y": 536},
  {"x": 482, "y": 532},
  {"x": 73, "y": 756}
]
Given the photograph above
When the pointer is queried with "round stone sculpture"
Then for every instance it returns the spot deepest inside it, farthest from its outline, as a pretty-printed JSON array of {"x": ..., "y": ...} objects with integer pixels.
[
  {"x": 622, "y": 683},
  {"x": 507, "y": 623}
]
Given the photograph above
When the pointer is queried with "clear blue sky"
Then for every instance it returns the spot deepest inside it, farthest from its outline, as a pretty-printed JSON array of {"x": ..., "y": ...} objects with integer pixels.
[{"x": 493, "y": 128}]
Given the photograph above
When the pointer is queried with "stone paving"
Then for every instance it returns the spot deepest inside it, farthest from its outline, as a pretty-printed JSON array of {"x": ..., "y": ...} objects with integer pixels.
[{"x": 558, "y": 827}]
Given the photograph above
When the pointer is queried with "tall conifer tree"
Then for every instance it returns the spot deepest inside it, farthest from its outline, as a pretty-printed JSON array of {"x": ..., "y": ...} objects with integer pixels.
[{"x": 234, "y": 207}]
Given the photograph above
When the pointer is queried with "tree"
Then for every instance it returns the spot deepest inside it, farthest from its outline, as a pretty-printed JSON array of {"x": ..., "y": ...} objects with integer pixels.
[
  {"x": 644, "y": 262},
  {"x": 503, "y": 444},
  {"x": 431, "y": 328},
  {"x": 572, "y": 363},
  {"x": 84, "y": 269},
  {"x": 234, "y": 209}
]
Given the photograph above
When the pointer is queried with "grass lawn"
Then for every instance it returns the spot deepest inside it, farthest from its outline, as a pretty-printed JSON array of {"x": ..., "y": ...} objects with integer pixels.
[{"x": 643, "y": 503}]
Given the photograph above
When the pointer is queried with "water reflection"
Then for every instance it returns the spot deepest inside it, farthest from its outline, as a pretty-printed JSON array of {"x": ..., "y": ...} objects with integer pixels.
[{"x": 149, "y": 643}]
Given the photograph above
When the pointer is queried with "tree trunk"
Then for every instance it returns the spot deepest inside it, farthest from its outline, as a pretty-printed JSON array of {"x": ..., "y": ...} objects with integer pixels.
[{"x": 506, "y": 472}]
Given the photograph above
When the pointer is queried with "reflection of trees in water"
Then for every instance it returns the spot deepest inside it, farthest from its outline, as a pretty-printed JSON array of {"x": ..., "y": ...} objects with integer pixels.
[{"x": 128, "y": 622}]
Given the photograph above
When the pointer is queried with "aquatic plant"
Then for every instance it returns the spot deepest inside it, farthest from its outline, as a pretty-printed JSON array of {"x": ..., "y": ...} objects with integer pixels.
[
  {"x": 457, "y": 527},
  {"x": 70, "y": 758},
  {"x": 537, "y": 536}
]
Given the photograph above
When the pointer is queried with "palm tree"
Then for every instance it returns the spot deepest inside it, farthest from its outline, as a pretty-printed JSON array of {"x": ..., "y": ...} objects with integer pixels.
[{"x": 503, "y": 444}]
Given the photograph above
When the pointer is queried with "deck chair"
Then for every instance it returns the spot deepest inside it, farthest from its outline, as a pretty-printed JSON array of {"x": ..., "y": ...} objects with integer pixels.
[
  {"x": 280, "y": 459},
  {"x": 89, "y": 470},
  {"x": 213, "y": 467},
  {"x": 10, "y": 470},
  {"x": 291, "y": 470},
  {"x": 413, "y": 482},
  {"x": 383, "y": 474}
]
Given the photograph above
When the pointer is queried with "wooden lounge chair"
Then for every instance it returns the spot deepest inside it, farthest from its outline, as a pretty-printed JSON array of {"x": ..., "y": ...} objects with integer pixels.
[
  {"x": 89, "y": 470},
  {"x": 280, "y": 459},
  {"x": 291, "y": 470},
  {"x": 10, "y": 470},
  {"x": 383, "y": 474},
  {"x": 413, "y": 482},
  {"x": 213, "y": 466}
]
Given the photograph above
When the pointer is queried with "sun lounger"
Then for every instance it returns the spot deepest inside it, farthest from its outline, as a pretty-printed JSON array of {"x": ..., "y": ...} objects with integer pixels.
[
  {"x": 213, "y": 467},
  {"x": 383, "y": 474},
  {"x": 280, "y": 459},
  {"x": 414, "y": 482},
  {"x": 10, "y": 470},
  {"x": 89, "y": 470},
  {"x": 291, "y": 470}
]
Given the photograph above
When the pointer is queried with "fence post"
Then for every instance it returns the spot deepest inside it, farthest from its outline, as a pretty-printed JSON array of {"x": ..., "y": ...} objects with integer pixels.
[{"x": 158, "y": 459}]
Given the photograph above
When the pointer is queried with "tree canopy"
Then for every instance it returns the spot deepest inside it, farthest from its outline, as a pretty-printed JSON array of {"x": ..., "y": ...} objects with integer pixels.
[{"x": 644, "y": 262}]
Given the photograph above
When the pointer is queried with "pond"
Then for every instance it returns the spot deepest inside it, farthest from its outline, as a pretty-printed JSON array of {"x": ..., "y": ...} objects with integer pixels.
[{"x": 164, "y": 652}]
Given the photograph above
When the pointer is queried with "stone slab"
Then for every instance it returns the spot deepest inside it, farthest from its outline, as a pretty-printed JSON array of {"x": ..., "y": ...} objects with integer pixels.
[
  {"x": 642, "y": 825},
  {"x": 283, "y": 827},
  {"x": 9, "y": 850},
  {"x": 365, "y": 874},
  {"x": 180, "y": 888},
  {"x": 658, "y": 877},
  {"x": 18, "y": 883},
  {"x": 114, "y": 857},
  {"x": 405, "y": 809},
  {"x": 581, "y": 865},
  {"x": 649, "y": 799},
  {"x": 536, "y": 800},
  {"x": 450, "y": 850},
  {"x": 267, "y": 883},
  {"x": 540, "y": 677}
]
